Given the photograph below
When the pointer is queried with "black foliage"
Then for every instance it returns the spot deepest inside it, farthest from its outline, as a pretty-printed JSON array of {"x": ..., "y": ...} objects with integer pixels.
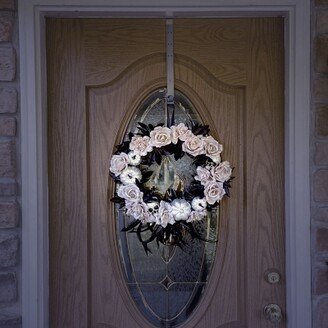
[
  {"x": 172, "y": 234},
  {"x": 172, "y": 194},
  {"x": 157, "y": 156},
  {"x": 114, "y": 177},
  {"x": 130, "y": 135},
  {"x": 226, "y": 186},
  {"x": 195, "y": 189},
  {"x": 144, "y": 129},
  {"x": 201, "y": 160},
  {"x": 145, "y": 176},
  {"x": 131, "y": 225},
  {"x": 200, "y": 129},
  {"x": 116, "y": 199},
  {"x": 179, "y": 154},
  {"x": 149, "y": 195},
  {"x": 123, "y": 147}
]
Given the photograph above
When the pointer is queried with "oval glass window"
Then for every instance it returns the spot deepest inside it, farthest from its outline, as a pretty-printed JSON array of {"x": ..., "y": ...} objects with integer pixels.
[{"x": 168, "y": 283}]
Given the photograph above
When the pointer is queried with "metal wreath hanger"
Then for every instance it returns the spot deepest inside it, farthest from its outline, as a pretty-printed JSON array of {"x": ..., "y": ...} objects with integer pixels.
[{"x": 170, "y": 107}]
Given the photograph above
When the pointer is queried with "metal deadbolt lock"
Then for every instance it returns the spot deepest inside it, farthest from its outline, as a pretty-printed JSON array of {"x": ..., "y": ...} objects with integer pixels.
[
  {"x": 272, "y": 312},
  {"x": 272, "y": 277}
]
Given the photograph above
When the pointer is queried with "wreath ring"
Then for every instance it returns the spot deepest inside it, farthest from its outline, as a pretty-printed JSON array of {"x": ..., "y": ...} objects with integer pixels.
[{"x": 160, "y": 202}]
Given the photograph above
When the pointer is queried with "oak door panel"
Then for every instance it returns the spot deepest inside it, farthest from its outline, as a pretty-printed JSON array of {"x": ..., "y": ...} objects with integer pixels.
[{"x": 99, "y": 72}]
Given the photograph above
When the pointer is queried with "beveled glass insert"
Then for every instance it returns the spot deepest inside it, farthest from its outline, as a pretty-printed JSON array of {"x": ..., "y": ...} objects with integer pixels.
[{"x": 168, "y": 284}]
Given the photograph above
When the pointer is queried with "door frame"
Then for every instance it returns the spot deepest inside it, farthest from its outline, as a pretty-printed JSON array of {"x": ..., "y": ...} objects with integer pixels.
[{"x": 35, "y": 243}]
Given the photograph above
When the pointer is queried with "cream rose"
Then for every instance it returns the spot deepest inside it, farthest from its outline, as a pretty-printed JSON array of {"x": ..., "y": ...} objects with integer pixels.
[
  {"x": 180, "y": 209},
  {"x": 137, "y": 210},
  {"x": 212, "y": 149},
  {"x": 164, "y": 216},
  {"x": 222, "y": 172},
  {"x": 203, "y": 175},
  {"x": 160, "y": 136},
  {"x": 118, "y": 163},
  {"x": 140, "y": 145},
  {"x": 130, "y": 193},
  {"x": 181, "y": 132},
  {"x": 214, "y": 192},
  {"x": 130, "y": 175},
  {"x": 194, "y": 146},
  {"x": 196, "y": 216}
]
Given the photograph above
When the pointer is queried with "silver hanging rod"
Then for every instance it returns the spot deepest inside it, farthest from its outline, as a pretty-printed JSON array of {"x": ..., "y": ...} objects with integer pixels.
[{"x": 169, "y": 61}]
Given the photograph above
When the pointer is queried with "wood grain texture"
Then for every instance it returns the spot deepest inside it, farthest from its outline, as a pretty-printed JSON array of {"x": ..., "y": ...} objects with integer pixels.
[
  {"x": 232, "y": 71},
  {"x": 67, "y": 175},
  {"x": 218, "y": 45},
  {"x": 105, "y": 132},
  {"x": 109, "y": 109},
  {"x": 112, "y": 45},
  {"x": 265, "y": 167}
]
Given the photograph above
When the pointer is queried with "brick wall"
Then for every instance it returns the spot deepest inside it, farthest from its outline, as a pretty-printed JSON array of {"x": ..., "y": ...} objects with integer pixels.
[
  {"x": 319, "y": 163},
  {"x": 10, "y": 263}
]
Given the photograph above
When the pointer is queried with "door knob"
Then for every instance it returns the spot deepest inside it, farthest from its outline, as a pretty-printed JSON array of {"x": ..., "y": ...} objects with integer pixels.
[{"x": 272, "y": 313}]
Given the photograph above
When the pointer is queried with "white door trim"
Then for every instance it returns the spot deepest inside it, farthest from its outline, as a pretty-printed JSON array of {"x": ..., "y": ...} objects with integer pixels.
[{"x": 35, "y": 242}]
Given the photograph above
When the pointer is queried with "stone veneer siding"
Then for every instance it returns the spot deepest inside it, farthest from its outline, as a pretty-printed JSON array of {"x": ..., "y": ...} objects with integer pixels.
[
  {"x": 319, "y": 163},
  {"x": 10, "y": 231}
]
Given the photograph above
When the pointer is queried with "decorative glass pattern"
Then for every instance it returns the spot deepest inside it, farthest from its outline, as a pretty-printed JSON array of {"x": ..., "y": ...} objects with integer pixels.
[{"x": 167, "y": 284}]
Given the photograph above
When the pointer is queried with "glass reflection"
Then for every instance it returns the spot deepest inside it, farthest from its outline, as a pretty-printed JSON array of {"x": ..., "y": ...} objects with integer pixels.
[{"x": 167, "y": 284}]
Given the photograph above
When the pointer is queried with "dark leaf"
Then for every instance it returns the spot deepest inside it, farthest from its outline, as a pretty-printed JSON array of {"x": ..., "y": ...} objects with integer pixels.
[
  {"x": 143, "y": 132},
  {"x": 178, "y": 155},
  {"x": 203, "y": 130},
  {"x": 143, "y": 125},
  {"x": 226, "y": 186},
  {"x": 147, "y": 175},
  {"x": 146, "y": 248},
  {"x": 123, "y": 147},
  {"x": 158, "y": 157},
  {"x": 131, "y": 225},
  {"x": 200, "y": 160},
  {"x": 117, "y": 200},
  {"x": 114, "y": 177}
]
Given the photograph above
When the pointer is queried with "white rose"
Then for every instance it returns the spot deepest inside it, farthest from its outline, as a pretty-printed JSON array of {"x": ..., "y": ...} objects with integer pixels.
[
  {"x": 203, "y": 175},
  {"x": 181, "y": 132},
  {"x": 153, "y": 218},
  {"x": 160, "y": 136},
  {"x": 130, "y": 193},
  {"x": 212, "y": 149},
  {"x": 138, "y": 210},
  {"x": 222, "y": 172},
  {"x": 196, "y": 216},
  {"x": 118, "y": 163},
  {"x": 198, "y": 204},
  {"x": 180, "y": 209},
  {"x": 130, "y": 175},
  {"x": 140, "y": 145},
  {"x": 133, "y": 158},
  {"x": 214, "y": 192},
  {"x": 164, "y": 216},
  {"x": 194, "y": 146}
]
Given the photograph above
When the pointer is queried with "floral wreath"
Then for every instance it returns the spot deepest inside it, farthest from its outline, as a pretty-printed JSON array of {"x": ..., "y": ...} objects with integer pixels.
[{"x": 166, "y": 217}]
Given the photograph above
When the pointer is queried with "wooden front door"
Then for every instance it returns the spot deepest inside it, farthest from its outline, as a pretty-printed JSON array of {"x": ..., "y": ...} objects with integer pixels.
[{"x": 99, "y": 72}]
